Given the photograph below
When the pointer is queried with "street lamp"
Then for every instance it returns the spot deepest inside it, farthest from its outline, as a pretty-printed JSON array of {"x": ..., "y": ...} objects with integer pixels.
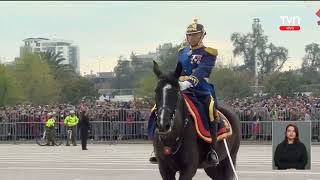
[
  {"x": 256, "y": 26},
  {"x": 99, "y": 59}
]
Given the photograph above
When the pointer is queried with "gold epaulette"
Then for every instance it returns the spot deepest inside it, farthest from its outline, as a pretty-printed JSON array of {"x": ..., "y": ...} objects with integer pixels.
[
  {"x": 211, "y": 51},
  {"x": 181, "y": 48}
]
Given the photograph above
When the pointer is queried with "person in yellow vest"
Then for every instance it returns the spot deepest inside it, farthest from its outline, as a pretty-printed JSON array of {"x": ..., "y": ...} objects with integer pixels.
[
  {"x": 71, "y": 122},
  {"x": 50, "y": 129}
]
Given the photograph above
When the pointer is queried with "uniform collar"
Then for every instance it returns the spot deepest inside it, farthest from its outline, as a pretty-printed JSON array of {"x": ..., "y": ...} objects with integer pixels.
[{"x": 191, "y": 50}]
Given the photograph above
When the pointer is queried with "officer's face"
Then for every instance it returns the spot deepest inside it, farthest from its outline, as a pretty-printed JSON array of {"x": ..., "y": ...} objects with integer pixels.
[{"x": 193, "y": 39}]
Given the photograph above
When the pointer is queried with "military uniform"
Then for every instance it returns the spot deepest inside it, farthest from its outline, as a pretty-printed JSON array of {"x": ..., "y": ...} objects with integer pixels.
[
  {"x": 50, "y": 131},
  {"x": 197, "y": 66},
  {"x": 197, "y": 62},
  {"x": 71, "y": 122}
]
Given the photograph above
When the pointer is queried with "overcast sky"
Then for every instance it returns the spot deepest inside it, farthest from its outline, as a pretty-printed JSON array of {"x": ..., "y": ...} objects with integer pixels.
[{"x": 111, "y": 29}]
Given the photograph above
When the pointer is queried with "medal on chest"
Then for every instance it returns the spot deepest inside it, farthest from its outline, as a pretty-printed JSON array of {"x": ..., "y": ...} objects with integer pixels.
[{"x": 195, "y": 58}]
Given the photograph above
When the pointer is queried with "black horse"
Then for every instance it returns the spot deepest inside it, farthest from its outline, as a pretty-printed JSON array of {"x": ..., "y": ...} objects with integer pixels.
[{"x": 177, "y": 145}]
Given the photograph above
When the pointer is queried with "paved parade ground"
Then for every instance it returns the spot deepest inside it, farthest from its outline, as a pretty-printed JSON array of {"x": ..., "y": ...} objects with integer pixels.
[{"x": 127, "y": 162}]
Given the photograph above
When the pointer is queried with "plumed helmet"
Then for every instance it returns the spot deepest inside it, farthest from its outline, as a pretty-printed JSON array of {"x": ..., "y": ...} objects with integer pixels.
[{"x": 194, "y": 27}]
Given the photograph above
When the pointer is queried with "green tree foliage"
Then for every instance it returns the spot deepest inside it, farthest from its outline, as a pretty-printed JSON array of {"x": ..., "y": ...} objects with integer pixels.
[
  {"x": 230, "y": 83},
  {"x": 75, "y": 88},
  {"x": 311, "y": 61},
  {"x": 272, "y": 61},
  {"x": 168, "y": 57},
  {"x": 36, "y": 78},
  {"x": 130, "y": 73},
  {"x": 251, "y": 46},
  {"x": 124, "y": 74},
  {"x": 283, "y": 83},
  {"x": 56, "y": 63},
  {"x": 10, "y": 91},
  {"x": 146, "y": 87},
  {"x": 140, "y": 68}
]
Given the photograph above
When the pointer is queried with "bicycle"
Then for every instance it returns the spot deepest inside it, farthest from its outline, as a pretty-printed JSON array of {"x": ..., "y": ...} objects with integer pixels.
[
  {"x": 42, "y": 139},
  {"x": 69, "y": 137}
]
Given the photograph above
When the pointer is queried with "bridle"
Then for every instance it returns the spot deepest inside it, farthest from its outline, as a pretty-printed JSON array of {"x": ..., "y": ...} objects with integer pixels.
[{"x": 179, "y": 137}]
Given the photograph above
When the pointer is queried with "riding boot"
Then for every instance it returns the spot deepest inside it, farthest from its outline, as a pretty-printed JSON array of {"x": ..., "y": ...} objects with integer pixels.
[
  {"x": 212, "y": 156},
  {"x": 153, "y": 159}
]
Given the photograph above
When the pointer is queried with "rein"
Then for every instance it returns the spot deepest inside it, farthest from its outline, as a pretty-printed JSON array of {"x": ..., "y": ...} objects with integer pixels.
[{"x": 179, "y": 138}]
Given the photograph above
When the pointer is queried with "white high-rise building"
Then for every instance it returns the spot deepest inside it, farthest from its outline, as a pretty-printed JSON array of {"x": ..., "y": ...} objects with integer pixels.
[{"x": 68, "y": 51}]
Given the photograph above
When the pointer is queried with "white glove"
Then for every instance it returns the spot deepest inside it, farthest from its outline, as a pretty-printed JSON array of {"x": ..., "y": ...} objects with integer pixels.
[{"x": 184, "y": 85}]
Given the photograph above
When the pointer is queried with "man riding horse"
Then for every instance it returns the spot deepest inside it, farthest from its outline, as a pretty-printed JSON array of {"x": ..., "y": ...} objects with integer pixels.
[{"x": 197, "y": 62}]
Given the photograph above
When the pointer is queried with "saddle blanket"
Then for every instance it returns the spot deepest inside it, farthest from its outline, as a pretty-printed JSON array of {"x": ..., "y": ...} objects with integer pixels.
[{"x": 200, "y": 120}]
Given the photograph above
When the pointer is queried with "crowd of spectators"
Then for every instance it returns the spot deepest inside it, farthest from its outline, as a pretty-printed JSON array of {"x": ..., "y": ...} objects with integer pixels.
[
  {"x": 121, "y": 117},
  {"x": 256, "y": 113},
  {"x": 117, "y": 111},
  {"x": 128, "y": 118},
  {"x": 300, "y": 108}
]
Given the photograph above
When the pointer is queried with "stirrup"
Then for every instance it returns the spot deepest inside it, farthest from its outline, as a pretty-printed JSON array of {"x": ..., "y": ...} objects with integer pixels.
[
  {"x": 153, "y": 160},
  {"x": 212, "y": 151}
]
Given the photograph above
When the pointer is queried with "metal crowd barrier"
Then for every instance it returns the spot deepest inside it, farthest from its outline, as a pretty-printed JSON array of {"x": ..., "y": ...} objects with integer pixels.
[
  {"x": 117, "y": 131},
  {"x": 280, "y": 115}
]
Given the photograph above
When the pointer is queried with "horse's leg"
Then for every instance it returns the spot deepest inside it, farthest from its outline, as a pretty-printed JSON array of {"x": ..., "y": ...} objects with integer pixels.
[
  {"x": 188, "y": 173},
  {"x": 224, "y": 170},
  {"x": 166, "y": 172},
  {"x": 212, "y": 172},
  {"x": 228, "y": 171}
]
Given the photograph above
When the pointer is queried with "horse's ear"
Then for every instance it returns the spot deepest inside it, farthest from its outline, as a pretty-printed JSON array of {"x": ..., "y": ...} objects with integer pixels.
[
  {"x": 178, "y": 70},
  {"x": 156, "y": 69}
]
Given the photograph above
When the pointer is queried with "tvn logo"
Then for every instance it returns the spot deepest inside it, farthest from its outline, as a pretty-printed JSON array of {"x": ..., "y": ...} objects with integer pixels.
[{"x": 290, "y": 23}]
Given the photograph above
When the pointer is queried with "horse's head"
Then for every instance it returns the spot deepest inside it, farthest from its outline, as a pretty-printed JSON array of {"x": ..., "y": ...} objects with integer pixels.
[{"x": 167, "y": 96}]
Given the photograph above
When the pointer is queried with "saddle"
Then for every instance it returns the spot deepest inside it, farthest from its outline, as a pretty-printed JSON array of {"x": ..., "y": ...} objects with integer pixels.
[
  {"x": 200, "y": 121},
  {"x": 202, "y": 125}
]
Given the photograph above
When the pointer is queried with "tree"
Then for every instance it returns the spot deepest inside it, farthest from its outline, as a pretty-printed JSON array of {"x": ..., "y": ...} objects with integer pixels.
[
  {"x": 254, "y": 46},
  {"x": 311, "y": 61},
  {"x": 55, "y": 62},
  {"x": 242, "y": 47},
  {"x": 75, "y": 88},
  {"x": 140, "y": 67},
  {"x": 168, "y": 58},
  {"x": 40, "y": 78},
  {"x": 283, "y": 83},
  {"x": 36, "y": 78},
  {"x": 124, "y": 74},
  {"x": 230, "y": 83},
  {"x": 273, "y": 60},
  {"x": 146, "y": 87},
  {"x": 10, "y": 90},
  {"x": 3, "y": 85}
]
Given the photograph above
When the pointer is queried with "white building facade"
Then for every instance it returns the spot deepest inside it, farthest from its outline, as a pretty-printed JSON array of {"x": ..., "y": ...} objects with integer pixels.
[{"x": 68, "y": 51}]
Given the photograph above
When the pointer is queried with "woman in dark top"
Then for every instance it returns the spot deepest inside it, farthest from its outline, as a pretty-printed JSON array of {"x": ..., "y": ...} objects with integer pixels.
[{"x": 291, "y": 153}]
